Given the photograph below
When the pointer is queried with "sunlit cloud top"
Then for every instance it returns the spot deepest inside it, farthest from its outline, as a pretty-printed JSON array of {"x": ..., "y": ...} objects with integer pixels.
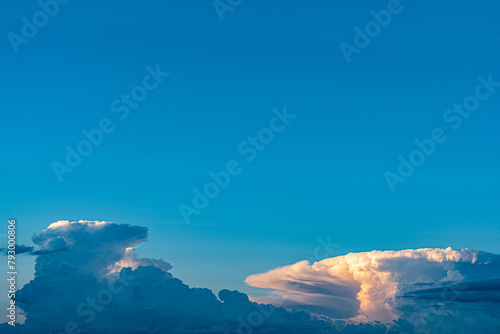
[{"x": 371, "y": 284}]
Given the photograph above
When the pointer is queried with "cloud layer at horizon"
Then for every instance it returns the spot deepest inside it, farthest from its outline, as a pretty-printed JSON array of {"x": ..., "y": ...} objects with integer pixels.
[{"x": 89, "y": 278}]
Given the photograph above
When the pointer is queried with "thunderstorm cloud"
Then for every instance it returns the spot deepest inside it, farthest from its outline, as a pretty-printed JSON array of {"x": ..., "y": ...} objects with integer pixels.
[
  {"x": 88, "y": 279},
  {"x": 436, "y": 290}
]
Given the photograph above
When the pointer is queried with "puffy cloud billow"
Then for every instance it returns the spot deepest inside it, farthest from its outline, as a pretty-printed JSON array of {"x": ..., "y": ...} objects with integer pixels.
[
  {"x": 89, "y": 280},
  {"x": 435, "y": 290}
]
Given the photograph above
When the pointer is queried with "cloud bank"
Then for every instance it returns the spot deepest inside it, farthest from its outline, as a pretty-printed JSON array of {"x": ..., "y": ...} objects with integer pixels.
[{"x": 88, "y": 279}]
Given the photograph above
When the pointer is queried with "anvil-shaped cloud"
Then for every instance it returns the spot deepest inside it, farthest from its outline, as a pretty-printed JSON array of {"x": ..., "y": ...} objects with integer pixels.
[
  {"x": 385, "y": 285},
  {"x": 89, "y": 280}
]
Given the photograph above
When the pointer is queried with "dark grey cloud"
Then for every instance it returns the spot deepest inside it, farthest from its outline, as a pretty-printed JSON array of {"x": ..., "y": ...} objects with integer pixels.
[
  {"x": 20, "y": 249},
  {"x": 468, "y": 292}
]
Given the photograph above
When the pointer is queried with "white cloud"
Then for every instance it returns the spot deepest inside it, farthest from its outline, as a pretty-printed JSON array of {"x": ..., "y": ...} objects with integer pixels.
[{"x": 380, "y": 282}]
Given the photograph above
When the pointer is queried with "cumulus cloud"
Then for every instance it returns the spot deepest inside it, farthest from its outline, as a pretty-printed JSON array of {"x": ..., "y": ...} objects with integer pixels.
[
  {"x": 388, "y": 285},
  {"x": 89, "y": 279}
]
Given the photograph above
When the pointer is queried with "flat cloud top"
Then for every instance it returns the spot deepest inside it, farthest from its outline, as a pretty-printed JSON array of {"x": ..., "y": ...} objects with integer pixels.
[
  {"x": 67, "y": 223},
  {"x": 371, "y": 283}
]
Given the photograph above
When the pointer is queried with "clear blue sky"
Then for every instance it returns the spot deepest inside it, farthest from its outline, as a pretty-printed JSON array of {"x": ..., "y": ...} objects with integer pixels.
[{"x": 322, "y": 175}]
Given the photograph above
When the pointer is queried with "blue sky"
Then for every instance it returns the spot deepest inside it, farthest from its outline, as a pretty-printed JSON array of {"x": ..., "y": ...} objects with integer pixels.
[{"x": 322, "y": 175}]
